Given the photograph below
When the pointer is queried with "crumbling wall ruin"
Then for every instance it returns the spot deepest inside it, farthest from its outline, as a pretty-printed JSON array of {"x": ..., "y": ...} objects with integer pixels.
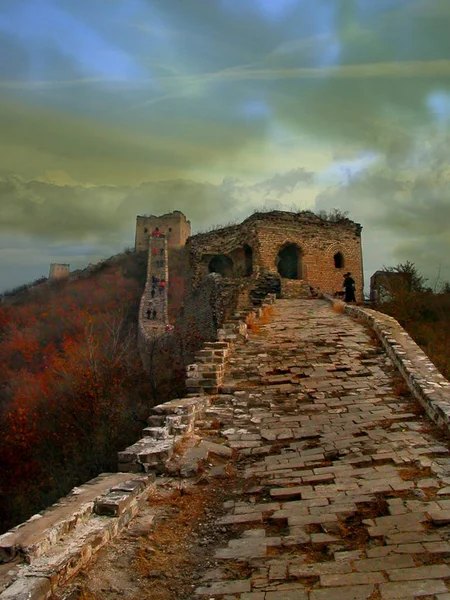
[{"x": 295, "y": 246}]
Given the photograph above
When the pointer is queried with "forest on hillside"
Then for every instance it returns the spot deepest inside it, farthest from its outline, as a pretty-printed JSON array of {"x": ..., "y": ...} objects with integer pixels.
[{"x": 73, "y": 391}]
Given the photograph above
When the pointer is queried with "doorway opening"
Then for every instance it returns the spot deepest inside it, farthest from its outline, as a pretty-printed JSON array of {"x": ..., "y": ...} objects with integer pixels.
[{"x": 289, "y": 262}]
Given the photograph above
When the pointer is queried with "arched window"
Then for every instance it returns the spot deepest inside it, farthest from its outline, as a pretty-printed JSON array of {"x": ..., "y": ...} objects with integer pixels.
[{"x": 339, "y": 260}]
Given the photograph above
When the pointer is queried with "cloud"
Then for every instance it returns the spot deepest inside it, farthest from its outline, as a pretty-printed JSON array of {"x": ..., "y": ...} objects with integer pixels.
[
  {"x": 62, "y": 211},
  {"x": 36, "y": 139},
  {"x": 408, "y": 204},
  {"x": 282, "y": 183},
  {"x": 162, "y": 103}
]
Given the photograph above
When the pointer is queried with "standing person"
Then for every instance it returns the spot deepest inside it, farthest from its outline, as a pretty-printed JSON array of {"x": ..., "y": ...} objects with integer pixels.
[
  {"x": 162, "y": 286},
  {"x": 153, "y": 291},
  {"x": 148, "y": 313},
  {"x": 349, "y": 288},
  {"x": 153, "y": 314}
]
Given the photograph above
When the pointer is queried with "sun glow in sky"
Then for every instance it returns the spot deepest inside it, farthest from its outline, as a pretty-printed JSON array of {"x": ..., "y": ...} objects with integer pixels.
[{"x": 112, "y": 108}]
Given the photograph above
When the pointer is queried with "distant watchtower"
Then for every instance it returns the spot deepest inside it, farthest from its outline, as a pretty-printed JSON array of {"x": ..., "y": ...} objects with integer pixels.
[
  {"x": 173, "y": 225},
  {"x": 59, "y": 271}
]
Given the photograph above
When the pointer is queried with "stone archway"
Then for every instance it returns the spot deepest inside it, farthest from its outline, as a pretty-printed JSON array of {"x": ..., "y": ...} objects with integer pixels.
[
  {"x": 289, "y": 262},
  {"x": 222, "y": 264}
]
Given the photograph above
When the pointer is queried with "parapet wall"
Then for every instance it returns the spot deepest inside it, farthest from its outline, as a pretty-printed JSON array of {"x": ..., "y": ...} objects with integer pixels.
[{"x": 425, "y": 382}]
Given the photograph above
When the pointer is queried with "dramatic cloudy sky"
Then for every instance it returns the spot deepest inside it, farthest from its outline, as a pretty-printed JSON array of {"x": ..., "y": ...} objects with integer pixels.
[{"x": 113, "y": 108}]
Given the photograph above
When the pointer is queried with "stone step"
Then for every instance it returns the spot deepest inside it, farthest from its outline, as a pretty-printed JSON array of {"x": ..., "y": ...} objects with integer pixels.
[{"x": 146, "y": 455}]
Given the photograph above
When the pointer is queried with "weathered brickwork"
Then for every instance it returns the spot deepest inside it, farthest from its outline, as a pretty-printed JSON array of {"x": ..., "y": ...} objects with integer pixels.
[
  {"x": 153, "y": 309},
  {"x": 42, "y": 554},
  {"x": 299, "y": 246},
  {"x": 425, "y": 382},
  {"x": 173, "y": 225},
  {"x": 207, "y": 306}
]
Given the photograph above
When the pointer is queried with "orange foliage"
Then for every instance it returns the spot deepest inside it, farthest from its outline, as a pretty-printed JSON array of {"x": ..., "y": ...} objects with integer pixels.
[{"x": 68, "y": 380}]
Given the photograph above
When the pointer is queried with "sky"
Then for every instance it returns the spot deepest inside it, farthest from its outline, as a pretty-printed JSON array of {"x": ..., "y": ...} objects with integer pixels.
[{"x": 217, "y": 108}]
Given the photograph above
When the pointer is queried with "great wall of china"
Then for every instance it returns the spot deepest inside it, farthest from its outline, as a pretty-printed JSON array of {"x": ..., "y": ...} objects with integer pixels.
[{"x": 308, "y": 415}]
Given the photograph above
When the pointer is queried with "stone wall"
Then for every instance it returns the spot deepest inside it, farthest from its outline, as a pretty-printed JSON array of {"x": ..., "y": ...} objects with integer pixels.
[
  {"x": 326, "y": 250},
  {"x": 425, "y": 382},
  {"x": 173, "y": 225},
  {"x": 42, "y": 554},
  {"x": 207, "y": 306},
  {"x": 154, "y": 298},
  {"x": 383, "y": 285}
]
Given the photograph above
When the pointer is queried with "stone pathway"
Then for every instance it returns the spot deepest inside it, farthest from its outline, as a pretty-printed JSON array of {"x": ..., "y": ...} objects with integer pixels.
[{"x": 347, "y": 483}]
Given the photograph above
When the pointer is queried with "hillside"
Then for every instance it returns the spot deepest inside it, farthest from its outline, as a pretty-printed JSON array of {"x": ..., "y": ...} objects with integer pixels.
[
  {"x": 72, "y": 387},
  {"x": 426, "y": 317}
]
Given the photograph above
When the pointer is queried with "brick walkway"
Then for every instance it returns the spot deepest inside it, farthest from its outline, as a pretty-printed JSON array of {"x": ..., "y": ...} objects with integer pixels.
[{"x": 347, "y": 484}]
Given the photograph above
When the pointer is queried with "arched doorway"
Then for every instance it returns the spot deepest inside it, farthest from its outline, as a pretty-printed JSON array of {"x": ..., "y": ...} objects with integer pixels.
[
  {"x": 289, "y": 262},
  {"x": 221, "y": 264},
  {"x": 248, "y": 260}
]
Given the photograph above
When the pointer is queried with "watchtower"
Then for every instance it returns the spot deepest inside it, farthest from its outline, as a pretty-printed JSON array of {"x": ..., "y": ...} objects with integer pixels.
[
  {"x": 59, "y": 271},
  {"x": 173, "y": 225}
]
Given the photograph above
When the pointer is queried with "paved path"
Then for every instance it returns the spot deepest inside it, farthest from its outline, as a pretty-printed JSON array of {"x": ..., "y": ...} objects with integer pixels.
[
  {"x": 342, "y": 489},
  {"x": 347, "y": 484}
]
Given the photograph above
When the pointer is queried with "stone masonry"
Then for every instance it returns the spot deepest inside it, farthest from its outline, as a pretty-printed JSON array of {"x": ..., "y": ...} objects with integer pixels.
[
  {"x": 342, "y": 485},
  {"x": 272, "y": 242},
  {"x": 173, "y": 225},
  {"x": 154, "y": 296},
  {"x": 345, "y": 489}
]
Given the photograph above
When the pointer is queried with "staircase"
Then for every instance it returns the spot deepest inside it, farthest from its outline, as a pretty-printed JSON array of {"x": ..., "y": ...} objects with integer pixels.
[{"x": 269, "y": 283}]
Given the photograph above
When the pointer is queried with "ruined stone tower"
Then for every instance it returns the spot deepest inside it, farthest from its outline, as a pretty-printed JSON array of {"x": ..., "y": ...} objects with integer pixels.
[{"x": 301, "y": 249}]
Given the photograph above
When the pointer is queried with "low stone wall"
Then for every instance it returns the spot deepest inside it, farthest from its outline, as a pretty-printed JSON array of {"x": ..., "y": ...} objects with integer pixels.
[
  {"x": 206, "y": 374},
  {"x": 424, "y": 380},
  {"x": 167, "y": 424},
  {"x": 38, "y": 556}
]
